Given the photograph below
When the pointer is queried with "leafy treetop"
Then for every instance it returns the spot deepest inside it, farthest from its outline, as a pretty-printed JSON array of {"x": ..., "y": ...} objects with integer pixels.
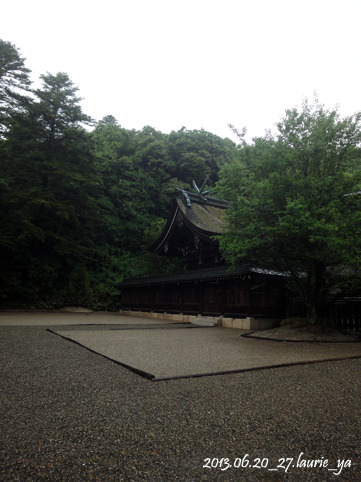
[{"x": 289, "y": 209}]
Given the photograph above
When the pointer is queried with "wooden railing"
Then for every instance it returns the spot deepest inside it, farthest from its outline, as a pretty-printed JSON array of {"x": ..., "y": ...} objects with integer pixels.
[{"x": 346, "y": 314}]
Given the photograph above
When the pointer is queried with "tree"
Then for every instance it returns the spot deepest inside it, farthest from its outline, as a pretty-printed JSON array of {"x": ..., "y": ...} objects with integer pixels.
[
  {"x": 58, "y": 107},
  {"x": 294, "y": 205},
  {"x": 78, "y": 208},
  {"x": 51, "y": 216},
  {"x": 134, "y": 169},
  {"x": 125, "y": 184},
  {"x": 14, "y": 83},
  {"x": 197, "y": 153}
]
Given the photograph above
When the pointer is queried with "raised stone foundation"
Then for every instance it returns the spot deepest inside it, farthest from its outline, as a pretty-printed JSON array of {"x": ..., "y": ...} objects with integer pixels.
[
  {"x": 176, "y": 317},
  {"x": 248, "y": 323}
]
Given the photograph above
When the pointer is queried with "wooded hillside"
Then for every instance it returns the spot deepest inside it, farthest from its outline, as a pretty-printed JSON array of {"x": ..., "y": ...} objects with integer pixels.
[{"x": 81, "y": 200}]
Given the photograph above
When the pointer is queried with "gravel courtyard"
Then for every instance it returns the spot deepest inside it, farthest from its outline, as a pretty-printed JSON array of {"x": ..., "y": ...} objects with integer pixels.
[{"x": 70, "y": 414}]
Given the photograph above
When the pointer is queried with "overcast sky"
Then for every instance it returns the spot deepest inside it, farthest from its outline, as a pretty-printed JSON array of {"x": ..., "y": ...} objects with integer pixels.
[{"x": 194, "y": 63}]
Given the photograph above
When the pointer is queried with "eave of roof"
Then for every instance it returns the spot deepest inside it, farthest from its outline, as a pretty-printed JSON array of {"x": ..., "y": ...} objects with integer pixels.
[
  {"x": 167, "y": 230},
  {"x": 205, "y": 274}
]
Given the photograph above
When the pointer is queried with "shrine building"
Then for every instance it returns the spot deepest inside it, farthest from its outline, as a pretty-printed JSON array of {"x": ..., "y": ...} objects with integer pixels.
[{"x": 248, "y": 293}]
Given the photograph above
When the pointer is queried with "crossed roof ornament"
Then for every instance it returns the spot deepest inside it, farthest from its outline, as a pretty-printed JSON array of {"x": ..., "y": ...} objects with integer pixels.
[{"x": 199, "y": 190}]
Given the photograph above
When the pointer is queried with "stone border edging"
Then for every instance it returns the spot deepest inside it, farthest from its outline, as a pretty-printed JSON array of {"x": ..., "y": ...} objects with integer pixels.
[{"x": 250, "y": 335}]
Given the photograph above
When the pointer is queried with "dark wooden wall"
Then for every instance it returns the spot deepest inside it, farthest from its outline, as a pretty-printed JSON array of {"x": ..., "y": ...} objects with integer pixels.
[{"x": 230, "y": 297}]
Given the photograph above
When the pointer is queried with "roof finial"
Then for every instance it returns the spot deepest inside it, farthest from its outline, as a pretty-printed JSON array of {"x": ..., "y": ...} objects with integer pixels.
[
  {"x": 200, "y": 191},
  {"x": 186, "y": 197}
]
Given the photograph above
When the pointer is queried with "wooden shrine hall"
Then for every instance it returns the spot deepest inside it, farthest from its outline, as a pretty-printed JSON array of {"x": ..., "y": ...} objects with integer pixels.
[{"x": 207, "y": 286}]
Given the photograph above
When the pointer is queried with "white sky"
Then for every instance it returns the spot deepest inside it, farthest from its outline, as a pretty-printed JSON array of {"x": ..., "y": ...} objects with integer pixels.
[{"x": 194, "y": 63}]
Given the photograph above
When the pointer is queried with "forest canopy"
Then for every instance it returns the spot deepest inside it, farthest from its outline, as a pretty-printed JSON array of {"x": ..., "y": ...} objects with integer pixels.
[
  {"x": 295, "y": 204},
  {"x": 81, "y": 200}
]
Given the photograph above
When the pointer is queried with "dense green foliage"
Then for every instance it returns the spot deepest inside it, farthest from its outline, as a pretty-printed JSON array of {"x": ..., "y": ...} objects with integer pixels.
[
  {"x": 14, "y": 83},
  {"x": 296, "y": 203},
  {"x": 80, "y": 202}
]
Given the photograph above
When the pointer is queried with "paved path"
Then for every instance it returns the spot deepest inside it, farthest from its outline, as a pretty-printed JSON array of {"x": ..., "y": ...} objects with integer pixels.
[
  {"x": 70, "y": 414},
  {"x": 64, "y": 319}
]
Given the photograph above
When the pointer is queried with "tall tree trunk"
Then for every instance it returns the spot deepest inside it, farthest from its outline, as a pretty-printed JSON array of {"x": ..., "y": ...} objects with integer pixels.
[
  {"x": 316, "y": 295},
  {"x": 311, "y": 314}
]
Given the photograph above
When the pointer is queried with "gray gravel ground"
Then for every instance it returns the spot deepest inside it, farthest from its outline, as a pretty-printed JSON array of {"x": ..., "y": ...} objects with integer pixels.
[
  {"x": 175, "y": 352},
  {"x": 69, "y": 414}
]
